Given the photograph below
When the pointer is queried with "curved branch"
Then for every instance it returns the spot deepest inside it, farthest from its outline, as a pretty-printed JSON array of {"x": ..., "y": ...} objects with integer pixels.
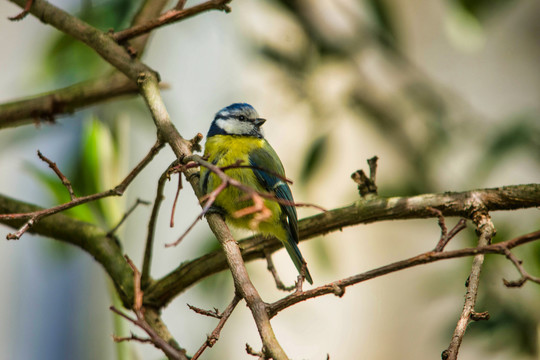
[{"x": 361, "y": 212}]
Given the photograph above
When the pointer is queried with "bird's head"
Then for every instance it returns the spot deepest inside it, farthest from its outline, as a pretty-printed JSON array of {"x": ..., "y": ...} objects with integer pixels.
[{"x": 237, "y": 119}]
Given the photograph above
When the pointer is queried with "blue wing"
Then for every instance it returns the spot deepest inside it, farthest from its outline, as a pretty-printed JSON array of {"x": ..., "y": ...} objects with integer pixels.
[{"x": 266, "y": 158}]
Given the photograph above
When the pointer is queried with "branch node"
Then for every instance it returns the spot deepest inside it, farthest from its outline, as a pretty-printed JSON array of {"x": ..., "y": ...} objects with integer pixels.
[
  {"x": 366, "y": 185},
  {"x": 339, "y": 291},
  {"x": 195, "y": 143},
  {"x": 478, "y": 316}
]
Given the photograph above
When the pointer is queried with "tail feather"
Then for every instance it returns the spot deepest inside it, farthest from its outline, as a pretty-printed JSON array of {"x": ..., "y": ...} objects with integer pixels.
[{"x": 298, "y": 260}]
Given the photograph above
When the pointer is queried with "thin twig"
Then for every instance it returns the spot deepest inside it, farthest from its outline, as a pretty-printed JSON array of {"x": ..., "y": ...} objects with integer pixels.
[
  {"x": 171, "y": 16},
  {"x": 214, "y": 337},
  {"x": 148, "y": 249},
  {"x": 132, "y": 337},
  {"x": 445, "y": 235},
  {"x": 178, "y": 188},
  {"x": 35, "y": 216},
  {"x": 337, "y": 287},
  {"x": 525, "y": 276},
  {"x": 210, "y": 313},
  {"x": 270, "y": 266},
  {"x": 57, "y": 171},
  {"x": 130, "y": 210},
  {"x": 141, "y": 322},
  {"x": 486, "y": 231}
]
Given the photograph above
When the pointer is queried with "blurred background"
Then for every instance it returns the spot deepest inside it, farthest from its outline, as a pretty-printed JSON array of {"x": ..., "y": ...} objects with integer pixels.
[{"x": 446, "y": 93}]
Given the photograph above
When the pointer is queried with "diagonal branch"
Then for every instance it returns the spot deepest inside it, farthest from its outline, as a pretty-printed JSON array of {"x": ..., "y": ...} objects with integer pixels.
[
  {"x": 338, "y": 287},
  {"x": 525, "y": 276},
  {"x": 154, "y": 337},
  {"x": 214, "y": 337},
  {"x": 183, "y": 148},
  {"x": 171, "y": 16},
  {"x": 67, "y": 100},
  {"x": 486, "y": 231},
  {"x": 373, "y": 210},
  {"x": 36, "y": 216}
]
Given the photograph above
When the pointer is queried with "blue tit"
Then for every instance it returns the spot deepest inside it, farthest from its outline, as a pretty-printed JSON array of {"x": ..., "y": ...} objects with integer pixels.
[{"x": 236, "y": 134}]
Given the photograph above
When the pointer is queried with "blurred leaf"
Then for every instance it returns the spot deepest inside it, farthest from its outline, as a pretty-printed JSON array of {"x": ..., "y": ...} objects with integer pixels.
[
  {"x": 522, "y": 133},
  {"x": 98, "y": 168},
  {"x": 68, "y": 60},
  {"x": 479, "y": 8},
  {"x": 382, "y": 15},
  {"x": 314, "y": 158}
]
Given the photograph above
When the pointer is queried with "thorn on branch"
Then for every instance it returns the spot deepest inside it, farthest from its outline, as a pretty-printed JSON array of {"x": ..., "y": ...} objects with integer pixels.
[
  {"x": 140, "y": 319},
  {"x": 366, "y": 185},
  {"x": 23, "y": 13}
]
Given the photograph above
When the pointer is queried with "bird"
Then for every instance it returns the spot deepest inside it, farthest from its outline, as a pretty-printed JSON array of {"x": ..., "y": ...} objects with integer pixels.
[{"x": 235, "y": 137}]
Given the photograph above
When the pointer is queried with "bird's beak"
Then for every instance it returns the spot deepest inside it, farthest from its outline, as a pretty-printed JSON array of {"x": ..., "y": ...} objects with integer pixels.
[{"x": 258, "y": 122}]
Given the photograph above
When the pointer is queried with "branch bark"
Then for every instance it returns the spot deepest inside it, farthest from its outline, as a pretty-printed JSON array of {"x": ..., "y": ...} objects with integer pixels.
[
  {"x": 486, "y": 231},
  {"x": 361, "y": 212}
]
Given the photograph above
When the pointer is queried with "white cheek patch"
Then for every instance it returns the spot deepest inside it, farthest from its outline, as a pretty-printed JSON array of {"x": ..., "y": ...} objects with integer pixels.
[{"x": 235, "y": 127}]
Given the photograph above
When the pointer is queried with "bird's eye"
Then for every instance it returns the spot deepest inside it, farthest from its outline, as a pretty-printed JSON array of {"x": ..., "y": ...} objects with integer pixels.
[{"x": 242, "y": 118}]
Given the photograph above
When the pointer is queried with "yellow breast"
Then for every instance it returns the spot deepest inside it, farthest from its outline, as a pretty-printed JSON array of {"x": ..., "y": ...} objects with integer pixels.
[{"x": 225, "y": 150}]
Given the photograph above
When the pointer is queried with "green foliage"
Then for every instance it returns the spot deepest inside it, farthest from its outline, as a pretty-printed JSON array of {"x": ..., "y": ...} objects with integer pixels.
[
  {"x": 314, "y": 158},
  {"x": 382, "y": 16},
  {"x": 68, "y": 60},
  {"x": 481, "y": 8}
]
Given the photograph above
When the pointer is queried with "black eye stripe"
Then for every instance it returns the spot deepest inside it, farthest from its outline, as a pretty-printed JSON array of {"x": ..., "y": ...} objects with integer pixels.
[{"x": 237, "y": 117}]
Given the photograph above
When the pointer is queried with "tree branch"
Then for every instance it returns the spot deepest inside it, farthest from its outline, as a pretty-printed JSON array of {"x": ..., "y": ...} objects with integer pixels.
[
  {"x": 361, "y": 212},
  {"x": 338, "y": 287},
  {"x": 172, "y": 352},
  {"x": 486, "y": 231},
  {"x": 65, "y": 101},
  {"x": 173, "y": 15},
  {"x": 36, "y": 216}
]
